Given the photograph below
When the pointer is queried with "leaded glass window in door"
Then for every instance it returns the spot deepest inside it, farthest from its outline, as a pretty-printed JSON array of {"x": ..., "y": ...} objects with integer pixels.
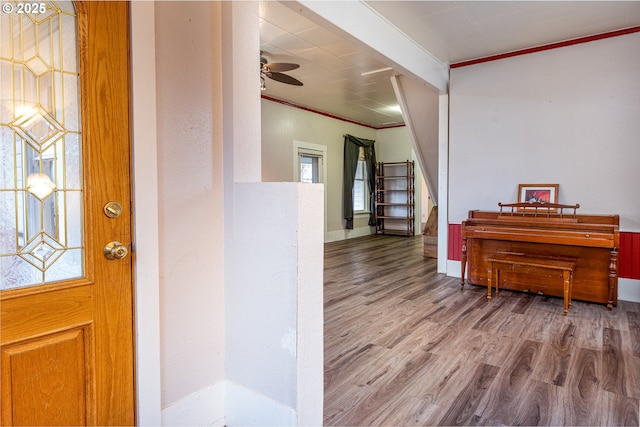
[{"x": 41, "y": 214}]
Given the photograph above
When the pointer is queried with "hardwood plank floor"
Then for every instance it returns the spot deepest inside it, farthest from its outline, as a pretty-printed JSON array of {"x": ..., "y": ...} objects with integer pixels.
[{"x": 403, "y": 346}]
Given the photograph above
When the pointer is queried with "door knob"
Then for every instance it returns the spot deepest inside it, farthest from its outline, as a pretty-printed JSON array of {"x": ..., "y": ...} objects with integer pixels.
[{"x": 115, "y": 250}]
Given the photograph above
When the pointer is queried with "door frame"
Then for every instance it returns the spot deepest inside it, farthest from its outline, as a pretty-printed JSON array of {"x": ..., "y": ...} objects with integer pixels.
[{"x": 145, "y": 216}]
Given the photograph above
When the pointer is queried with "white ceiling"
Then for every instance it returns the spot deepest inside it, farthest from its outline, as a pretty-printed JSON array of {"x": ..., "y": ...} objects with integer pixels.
[{"x": 453, "y": 31}]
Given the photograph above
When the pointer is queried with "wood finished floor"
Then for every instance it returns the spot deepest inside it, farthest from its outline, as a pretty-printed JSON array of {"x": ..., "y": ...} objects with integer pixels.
[{"x": 403, "y": 346}]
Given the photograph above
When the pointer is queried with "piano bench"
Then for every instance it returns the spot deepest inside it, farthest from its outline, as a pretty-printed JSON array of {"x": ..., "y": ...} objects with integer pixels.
[{"x": 546, "y": 267}]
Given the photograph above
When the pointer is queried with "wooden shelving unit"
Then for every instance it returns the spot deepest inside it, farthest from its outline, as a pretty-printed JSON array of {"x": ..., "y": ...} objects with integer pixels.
[{"x": 395, "y": 198}]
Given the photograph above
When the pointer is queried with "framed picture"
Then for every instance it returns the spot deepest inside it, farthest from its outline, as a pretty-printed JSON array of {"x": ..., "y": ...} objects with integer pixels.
[{"x": 541, "y": 193}]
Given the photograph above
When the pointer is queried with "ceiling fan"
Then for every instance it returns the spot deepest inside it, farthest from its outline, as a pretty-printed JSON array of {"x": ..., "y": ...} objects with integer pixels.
[{"x": 274, "y": 70}]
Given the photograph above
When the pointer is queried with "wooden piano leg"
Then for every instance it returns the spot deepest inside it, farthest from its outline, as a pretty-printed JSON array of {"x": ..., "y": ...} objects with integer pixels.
[
  {"x": 571, "y": 289},
  {"x": 463, "y": 262},
  {"x": 566, "y": 277},
  {"x": 613, "y": 276},
  {"x": 489, "y": 277}
]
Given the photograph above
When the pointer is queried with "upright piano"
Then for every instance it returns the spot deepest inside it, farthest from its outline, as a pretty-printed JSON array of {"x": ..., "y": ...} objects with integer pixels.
[{"x": 545, "y": 230}]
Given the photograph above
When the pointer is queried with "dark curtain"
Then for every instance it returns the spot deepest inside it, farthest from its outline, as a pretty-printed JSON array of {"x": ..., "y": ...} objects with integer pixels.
[{"x": 352, "y": 146}]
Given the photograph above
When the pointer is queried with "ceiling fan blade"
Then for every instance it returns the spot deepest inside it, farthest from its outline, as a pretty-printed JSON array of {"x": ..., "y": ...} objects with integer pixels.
[
  {"x": 283, "y": 78},
  {"x": 280, "y": 66}
]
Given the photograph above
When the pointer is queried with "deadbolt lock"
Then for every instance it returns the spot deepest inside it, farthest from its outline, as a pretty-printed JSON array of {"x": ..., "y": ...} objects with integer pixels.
[
  {"x": 115, "y": 250},
  {"x": 112, "y": 209}
]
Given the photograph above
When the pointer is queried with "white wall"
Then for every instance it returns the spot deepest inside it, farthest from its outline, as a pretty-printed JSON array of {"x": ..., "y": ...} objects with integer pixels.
[
  {"x": 567, "y": 116},
  {"x": 273, "y": 258},
  {"x": 189, "y": 191},
  {"x": 420, "y": 108},
  {"x": 240, "y": 302},
  {"x": 282, "y": 125},
  {"x": 393, "y": 145},
  {"x": 275, "y": 306}
]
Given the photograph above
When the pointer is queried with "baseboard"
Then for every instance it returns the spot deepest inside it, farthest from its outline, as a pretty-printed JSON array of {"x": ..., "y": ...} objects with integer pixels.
[
  {"x": 228, "y": 404},
  {"x": 454, "y": 268},
  {"x": 245, "y": 407},
  {"x": 205, "y": 407},
  {"x": 629, "y": 290},
  {"x": 336, "y": 235}
]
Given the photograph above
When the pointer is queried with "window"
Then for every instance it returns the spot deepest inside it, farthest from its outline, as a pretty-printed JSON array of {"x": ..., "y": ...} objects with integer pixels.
[
  {"x": 360, "y": 187},
  {"x": 310, "y": 168}
]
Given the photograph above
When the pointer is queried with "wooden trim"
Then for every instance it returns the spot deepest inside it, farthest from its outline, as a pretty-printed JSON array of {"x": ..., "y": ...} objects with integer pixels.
[
  {"x": 104, "y": 31},
  {"x": 550, "y": 46},
  {"x": 331, "y": 116}
]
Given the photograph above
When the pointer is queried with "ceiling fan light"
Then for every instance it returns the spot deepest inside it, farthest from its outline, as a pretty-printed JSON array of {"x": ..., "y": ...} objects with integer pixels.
[{"x": 263, "y": 85}]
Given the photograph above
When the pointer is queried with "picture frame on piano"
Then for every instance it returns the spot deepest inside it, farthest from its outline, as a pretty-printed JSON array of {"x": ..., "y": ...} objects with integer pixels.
[{"x": 537, "y": 193}]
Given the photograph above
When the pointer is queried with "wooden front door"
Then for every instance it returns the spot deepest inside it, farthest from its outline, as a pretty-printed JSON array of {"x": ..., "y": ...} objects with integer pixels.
[{"x": 67, "y": 350}]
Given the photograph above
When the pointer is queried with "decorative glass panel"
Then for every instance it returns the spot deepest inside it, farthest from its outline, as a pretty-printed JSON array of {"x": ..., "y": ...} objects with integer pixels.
[{"x": 41, "y": 239}]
